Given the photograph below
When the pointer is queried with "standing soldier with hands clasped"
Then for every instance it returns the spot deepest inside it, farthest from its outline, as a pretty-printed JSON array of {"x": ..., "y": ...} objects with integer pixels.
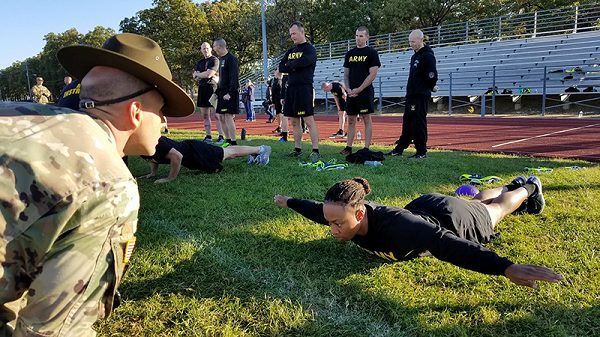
[
  {"x": 422, "y": 79},
  {"x": 228, "y": 90},
  {"x": 299, "y": 63},
  {"x": 361, "y": 65}
]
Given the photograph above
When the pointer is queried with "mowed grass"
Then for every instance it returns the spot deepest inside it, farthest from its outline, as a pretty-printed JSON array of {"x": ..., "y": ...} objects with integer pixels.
[{"x": 216, "y": 256}]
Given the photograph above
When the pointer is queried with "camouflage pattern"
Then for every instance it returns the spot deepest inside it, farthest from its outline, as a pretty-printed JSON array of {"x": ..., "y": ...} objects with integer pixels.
[
  {"x": 40, "y": 94},
  {"x": 68, "y": 207}
]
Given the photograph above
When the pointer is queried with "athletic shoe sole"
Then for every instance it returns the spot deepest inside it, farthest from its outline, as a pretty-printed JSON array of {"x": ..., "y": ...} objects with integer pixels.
[
  {"x": 536, "y": 201},
  {"x": 262, "y": 158}
]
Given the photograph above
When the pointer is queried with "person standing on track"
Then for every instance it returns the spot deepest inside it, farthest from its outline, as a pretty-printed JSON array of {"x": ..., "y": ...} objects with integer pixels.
[
  {"x": 206, "y": 73},
  {"x": 422, "y": 79},
  {"x": 299, "y": 63},
  {"x": 361, "y": 65},
  {"x": 228, "y": 90}
]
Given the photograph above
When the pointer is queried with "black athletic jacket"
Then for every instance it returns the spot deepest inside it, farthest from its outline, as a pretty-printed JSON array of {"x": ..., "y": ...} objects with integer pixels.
[
  {"x": 229, "y": 72},
  {"x": 396, "y": 234},
  {"x": 423, "y": 73}
]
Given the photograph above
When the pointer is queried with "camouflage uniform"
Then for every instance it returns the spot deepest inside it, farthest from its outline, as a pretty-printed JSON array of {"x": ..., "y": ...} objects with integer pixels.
[
  {"x": 40, "y": 94},
  {"x": 68, "y": 214}
]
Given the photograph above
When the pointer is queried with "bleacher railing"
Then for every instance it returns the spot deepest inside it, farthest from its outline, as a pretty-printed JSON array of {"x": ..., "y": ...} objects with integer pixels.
[{"x": 571, "y": 19}]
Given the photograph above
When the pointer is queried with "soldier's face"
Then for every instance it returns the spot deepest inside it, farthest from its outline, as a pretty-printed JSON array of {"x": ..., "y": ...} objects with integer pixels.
[
  {"x": 415, "y": 42},
  {"x": 206, "y": 50},
  {"x": 217, "y": 49},
  {"x": 343, "y": 220},
  {"x": 361, "y": 38},
  {"x": 143, "y": 141},
  {"x": 297, "y": 35}
]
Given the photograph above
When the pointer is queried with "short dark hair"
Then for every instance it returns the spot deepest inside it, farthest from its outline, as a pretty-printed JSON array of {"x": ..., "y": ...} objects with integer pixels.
[
  {"x": 363, "y": 29},
  {"x": 297, "y": 24},
  {"x": 351, "y": 192},
  {"x": 220, "y": 42}
]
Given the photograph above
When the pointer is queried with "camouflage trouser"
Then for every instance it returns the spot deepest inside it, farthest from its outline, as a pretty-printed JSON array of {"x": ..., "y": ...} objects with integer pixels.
[{"x": 90, "y": 261}]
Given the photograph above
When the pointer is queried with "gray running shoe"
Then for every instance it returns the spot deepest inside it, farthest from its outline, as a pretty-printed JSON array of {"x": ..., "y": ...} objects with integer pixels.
[
  {"x": 295, "y": 153},
  {"x": 252, "y": 159},
  {"x": 535, "y": 202},
  {"x": 262, "y": 158},
  {"x": 314, "y": 156}
]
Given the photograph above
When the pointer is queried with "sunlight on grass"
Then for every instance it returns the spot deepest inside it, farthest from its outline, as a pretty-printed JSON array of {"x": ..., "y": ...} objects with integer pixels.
[{"x": 216, "y": 257}]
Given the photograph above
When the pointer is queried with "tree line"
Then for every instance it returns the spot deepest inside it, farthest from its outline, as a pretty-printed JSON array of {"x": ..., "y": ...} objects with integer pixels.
[{"x": 180, "y": 26}]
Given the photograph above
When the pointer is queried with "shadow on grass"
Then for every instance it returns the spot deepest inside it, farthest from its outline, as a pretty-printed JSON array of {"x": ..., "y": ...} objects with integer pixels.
[
  {"x": 239, "y": 257},
  {"x": 312, "y": 273}
]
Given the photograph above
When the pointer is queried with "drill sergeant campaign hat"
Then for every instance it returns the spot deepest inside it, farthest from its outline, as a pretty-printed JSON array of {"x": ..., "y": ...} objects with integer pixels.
[{"x": 136, "y": 55}]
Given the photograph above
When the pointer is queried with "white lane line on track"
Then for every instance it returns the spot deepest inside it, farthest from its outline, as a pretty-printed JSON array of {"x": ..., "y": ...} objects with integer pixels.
[{"x": 545, "y": 135}]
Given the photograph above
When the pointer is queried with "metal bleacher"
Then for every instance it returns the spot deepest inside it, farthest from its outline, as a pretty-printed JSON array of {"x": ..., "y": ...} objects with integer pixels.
[{"x": 543, "y": 53}]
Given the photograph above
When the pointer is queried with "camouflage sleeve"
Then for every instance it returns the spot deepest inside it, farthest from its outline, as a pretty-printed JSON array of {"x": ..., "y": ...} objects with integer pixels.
[{"x": 85, "y": 259}]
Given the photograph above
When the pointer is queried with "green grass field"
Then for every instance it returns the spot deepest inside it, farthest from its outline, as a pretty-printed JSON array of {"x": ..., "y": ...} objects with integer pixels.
[{"x": 216, "y": 256}]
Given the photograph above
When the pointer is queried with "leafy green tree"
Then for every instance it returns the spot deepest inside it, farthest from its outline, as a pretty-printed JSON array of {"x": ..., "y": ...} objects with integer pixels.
[
  {"x": 97, "y": 36},
  {"x": 179, "y": 26},
  {"x": 238, "y": 22}
]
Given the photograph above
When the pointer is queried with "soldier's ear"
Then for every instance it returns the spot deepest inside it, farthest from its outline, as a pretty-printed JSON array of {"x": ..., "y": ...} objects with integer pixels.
[
  {"x": 359, "y": 214},
  {"x": 134, "y": 114}
]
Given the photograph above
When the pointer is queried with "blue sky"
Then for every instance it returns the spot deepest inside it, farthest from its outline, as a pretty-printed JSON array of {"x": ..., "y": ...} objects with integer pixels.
[{"x": 24, "y": 23}]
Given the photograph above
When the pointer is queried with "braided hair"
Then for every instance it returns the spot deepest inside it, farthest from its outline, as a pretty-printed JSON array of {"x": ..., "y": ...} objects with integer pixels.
[{"x": 351, "y": 192}]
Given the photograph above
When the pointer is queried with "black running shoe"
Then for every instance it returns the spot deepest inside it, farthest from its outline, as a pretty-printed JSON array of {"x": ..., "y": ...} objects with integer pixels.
[
  {"x": 394, "y": 153},
  {"x": 535, "y": 202},
  {"x": 520, "y": 181}
]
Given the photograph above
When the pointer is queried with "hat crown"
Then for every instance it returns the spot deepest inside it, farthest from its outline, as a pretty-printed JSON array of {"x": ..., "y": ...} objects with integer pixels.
[{"x": 139, "y": 49}]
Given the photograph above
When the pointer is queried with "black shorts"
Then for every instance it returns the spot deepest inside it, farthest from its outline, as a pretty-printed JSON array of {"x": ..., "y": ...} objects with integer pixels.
[
  {"x": 203, "y": 157},
  {"x": 299, "y": 101},
  {"x": 469, "y": 220},
  {"x": 343, "y": 104},
  {"x": 230, "y": 106},
  {"x": 204, "y": 94},
  {"x": 363, "y": 104},
  {"x": 278, "y": 106}
]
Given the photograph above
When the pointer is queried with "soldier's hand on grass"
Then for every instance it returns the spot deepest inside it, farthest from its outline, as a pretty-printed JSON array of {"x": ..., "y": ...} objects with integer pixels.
[
  {"x": 147, "y": 176},
  {"x": 527, "y": 274},
  {"x": 163, "y": 180},
  {"x": 281, "y": 200}
]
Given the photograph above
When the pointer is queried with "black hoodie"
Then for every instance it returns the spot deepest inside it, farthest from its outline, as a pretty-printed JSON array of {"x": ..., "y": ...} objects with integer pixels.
[{"x": 423, "y": 73}]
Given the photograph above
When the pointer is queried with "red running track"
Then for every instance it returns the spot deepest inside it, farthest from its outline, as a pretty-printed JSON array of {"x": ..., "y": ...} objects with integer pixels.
[{"x": 577, "y": 138}]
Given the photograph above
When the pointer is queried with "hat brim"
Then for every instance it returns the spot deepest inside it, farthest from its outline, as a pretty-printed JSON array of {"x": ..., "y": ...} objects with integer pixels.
[{"x": 79, "y": 60}]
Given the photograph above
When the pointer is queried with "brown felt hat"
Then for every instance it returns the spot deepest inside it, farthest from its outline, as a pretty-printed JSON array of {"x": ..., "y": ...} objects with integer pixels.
[{"x": 135, "y": 55}]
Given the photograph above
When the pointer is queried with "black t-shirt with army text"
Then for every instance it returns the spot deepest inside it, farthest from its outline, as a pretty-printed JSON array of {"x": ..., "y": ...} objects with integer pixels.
[
  {"x": 299, "y": 63},
  {"x": 359, "y": 61}
]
